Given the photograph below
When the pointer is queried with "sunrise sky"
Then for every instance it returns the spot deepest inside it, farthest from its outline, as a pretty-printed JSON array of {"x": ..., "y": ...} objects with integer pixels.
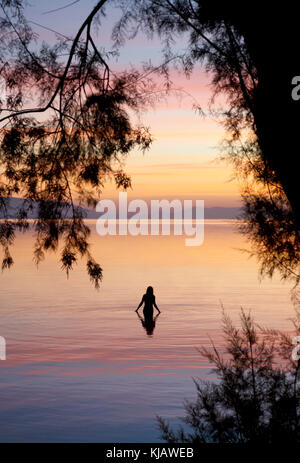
[{"x": 182, "y": 160}]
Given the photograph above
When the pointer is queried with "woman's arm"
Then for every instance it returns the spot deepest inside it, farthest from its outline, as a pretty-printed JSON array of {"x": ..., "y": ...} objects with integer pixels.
[
  {"x": 140, "y": 304},
  {"x": 154, "y": 303},
  {"x": 138, "y": 314}
]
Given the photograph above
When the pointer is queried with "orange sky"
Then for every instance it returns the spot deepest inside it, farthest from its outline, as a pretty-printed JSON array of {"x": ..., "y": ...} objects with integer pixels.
[{"x": 183, "y": 159}]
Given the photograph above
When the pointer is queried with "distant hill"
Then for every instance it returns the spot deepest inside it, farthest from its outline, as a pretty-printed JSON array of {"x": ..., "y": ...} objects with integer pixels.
[
  {"x": 14, "y": 205},
  {"x": 209, "y": 212},
  {"x": 222, "y": 212}
]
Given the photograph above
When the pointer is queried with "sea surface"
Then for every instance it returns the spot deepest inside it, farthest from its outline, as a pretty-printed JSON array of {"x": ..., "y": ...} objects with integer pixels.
[{"x": 80, "y": 366}]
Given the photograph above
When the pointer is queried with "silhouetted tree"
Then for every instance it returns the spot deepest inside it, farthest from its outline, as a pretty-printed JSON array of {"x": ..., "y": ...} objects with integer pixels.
[
  {"x": 249, "y": 61},
  {"x": 256, "y": 397},
  {"x": 267, "y": 220},
  {"x": 66, "y": 125},
  {"x": 245, "y": 56},
  {"x": 87, "y": 111}
]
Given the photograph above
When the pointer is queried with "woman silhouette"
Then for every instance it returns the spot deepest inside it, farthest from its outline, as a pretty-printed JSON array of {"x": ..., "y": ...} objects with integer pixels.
[{"x": 149, "y": 301}]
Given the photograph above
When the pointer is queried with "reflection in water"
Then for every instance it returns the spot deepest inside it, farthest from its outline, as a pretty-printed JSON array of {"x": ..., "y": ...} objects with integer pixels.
[
  {"x": 148, "y": 322},
  {"x": 80, "y": 362},
  {"x": 149, "y": 301}
]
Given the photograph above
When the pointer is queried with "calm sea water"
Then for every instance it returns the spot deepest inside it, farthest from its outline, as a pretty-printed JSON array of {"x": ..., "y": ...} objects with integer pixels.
[{"x": 80, "y": 365}]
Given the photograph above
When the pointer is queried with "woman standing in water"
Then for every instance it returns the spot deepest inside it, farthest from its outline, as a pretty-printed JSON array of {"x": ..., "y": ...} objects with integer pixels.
[{"x": 149, "y": 301}]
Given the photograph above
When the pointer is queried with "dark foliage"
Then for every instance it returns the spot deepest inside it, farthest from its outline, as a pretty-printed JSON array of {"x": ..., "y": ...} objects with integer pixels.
[
  {"x": 60, "y": 151},
  {"x": 81, "y": 125},
  {"x": 256, "y": 398},
  {"x": 251, "y": 63},
  {"x": 267, "y": 221}
]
